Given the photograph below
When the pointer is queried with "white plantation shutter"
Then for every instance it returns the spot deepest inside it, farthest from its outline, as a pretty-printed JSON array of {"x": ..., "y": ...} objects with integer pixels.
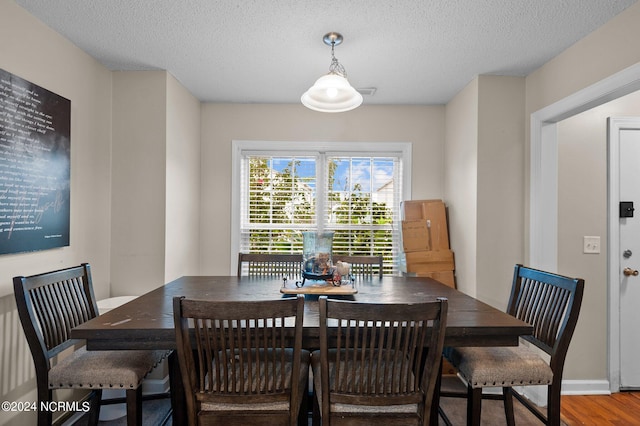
[{"x": 354, "y": 193}]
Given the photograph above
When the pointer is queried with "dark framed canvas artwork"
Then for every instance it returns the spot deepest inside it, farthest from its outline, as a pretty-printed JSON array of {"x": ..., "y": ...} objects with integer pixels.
[{"x": 35, "y": 175}]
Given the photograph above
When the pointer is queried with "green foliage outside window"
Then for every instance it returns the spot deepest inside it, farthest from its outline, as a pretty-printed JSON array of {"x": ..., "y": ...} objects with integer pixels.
[{"x": 362, "y": 226}]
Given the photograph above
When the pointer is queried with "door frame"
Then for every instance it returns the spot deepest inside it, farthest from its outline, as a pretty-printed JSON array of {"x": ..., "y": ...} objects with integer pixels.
[{"x": 543, "y": 189}]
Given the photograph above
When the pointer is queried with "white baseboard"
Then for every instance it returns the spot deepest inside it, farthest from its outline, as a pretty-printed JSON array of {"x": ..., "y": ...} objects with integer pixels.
[
  {"x": 586, "y": 387},
  {"x": 538, "y": 394}
]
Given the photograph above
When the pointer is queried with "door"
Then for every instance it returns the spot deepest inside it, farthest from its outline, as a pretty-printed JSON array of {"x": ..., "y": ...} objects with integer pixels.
[{"x": 629, "y": 255}]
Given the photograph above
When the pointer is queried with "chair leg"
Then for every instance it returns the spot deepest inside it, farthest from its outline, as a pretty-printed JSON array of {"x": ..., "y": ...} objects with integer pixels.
[
  {"x": 303, "y": 413},
  {"x": 315, "y": 419},
  {"x": 316, "y": 409},
  {"x": 508, "y": 406},
  {"x": 180, "y": 406},
  {"x": 94, "y": 407},
  {"x": 134, "y": 406},
  {"x": 45, "y": 417},
  {"x": 553, "y": 403},
  {"x": 474, "y": 406}
]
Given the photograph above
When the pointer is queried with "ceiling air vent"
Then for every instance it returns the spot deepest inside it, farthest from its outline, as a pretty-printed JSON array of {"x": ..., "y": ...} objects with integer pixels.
[{"x": 367, "y": 91}]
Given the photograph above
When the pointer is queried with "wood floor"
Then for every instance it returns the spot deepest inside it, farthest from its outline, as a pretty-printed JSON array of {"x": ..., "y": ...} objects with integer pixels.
[{"x": 619, "y": 409}]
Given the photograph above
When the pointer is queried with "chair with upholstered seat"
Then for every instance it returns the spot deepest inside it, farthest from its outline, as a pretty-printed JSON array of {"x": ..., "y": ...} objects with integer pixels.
[
  {"x": 551, "y": 304},
  {"x": 275, "y": 265},
  {"x": 372, "y": 366},
  {"x": 49, "y": 306},
  {"x": 242, "y": 362},
  {"x": 362, "y": 266}
]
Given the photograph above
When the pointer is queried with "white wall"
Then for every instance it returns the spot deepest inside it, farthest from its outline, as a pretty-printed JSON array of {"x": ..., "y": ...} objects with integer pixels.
[{"x": 423, "y": 126}]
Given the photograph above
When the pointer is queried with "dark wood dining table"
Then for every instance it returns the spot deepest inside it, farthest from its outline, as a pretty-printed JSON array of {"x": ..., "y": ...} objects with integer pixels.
[{"x": 147, "y": 321}]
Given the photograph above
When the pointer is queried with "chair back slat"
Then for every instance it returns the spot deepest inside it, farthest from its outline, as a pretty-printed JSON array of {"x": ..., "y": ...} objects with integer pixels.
[
  {"x": 44, "y": 314},
  {"x": 377, "y": 352},
  {"x": 362, "y": 266},
  {"x": 242, "y": 355},
  {"x": 53, "y": 303},
  {"x": 279, "y": 265},
  {"x": 274, "y": 265},
  {"x": 383, "y": 350},
  {"x": 550, "y": 303},
  {"x": 241, "y": 350}
]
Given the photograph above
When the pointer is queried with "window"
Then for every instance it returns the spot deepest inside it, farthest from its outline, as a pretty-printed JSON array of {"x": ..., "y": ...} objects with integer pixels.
[{"x": 352, "y": 189}]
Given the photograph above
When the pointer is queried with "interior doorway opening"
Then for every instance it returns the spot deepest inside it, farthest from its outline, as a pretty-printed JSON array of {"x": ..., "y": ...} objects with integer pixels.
[{"x": 543, "y": 196}]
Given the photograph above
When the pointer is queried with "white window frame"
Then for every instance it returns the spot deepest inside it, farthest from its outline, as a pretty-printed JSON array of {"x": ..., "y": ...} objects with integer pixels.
[{"x": 238, "y": 147}]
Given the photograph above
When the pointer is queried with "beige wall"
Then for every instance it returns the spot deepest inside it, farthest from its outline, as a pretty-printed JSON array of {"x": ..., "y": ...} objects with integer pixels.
[
  {"x": 163, "y": 125},
  {"x": 582, "y": 210},
  {"x": 45, "y": 58},
  {"x": 156, "y": 182},
  {"x": 461, "y": 182},
  {"x": 34, "y": 52},
  {"x": 483, "y": 184},
  {"x": 500, "y": 182},
  {"x": 182, "y": 227},
  {"x": 610, "y": 49},
  {"x": 423, "y": 126},
  {"x": 602, "y": 53},
  {"x": 139, "y": 181}
]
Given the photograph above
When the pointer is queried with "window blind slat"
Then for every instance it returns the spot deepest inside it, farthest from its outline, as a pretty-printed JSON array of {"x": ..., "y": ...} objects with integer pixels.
[{"x": 357, "y": 196}]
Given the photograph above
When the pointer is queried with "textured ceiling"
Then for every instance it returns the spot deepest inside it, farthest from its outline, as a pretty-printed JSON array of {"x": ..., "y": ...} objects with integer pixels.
[{"x": 260, "y": 51}]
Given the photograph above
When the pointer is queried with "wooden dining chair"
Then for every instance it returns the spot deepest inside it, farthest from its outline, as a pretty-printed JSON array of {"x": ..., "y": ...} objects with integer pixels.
[
  {"x": 275, "y": 265},
  {"x": 242, "y": 362},
  {"x": 372, "y": 366},
  {"x": 49, "y": 306},
  {"x": 551, "y": 304},
  {"x": 362, "y": 266}
]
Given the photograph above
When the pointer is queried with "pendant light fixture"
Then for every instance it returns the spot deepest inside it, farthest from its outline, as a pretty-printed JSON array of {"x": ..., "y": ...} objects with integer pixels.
[{"x": 332, "y": 92}]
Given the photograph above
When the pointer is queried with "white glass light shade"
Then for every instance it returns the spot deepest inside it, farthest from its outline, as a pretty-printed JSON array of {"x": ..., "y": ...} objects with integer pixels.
[{"x": 331, "y": 93}]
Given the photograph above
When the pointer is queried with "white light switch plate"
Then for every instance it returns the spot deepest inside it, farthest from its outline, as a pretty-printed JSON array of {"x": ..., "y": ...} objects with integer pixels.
[{"x": 591, "y": 245}]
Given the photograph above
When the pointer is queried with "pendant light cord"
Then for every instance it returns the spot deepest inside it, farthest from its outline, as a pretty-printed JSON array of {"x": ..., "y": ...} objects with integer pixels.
[{"x": 336, "y": 67}]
